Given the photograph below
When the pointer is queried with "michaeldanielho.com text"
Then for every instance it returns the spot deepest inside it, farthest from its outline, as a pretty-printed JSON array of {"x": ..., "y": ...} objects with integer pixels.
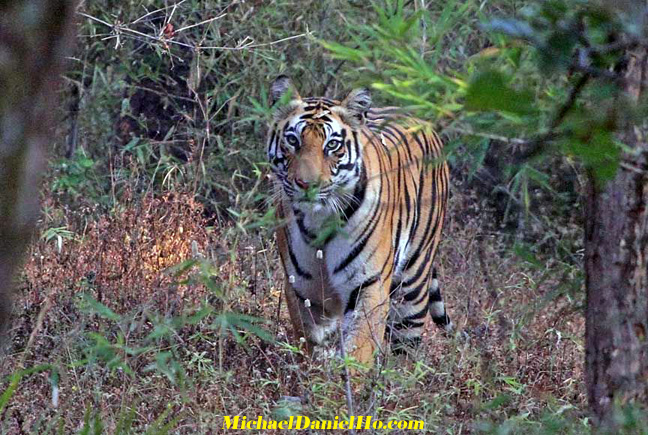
[{"x": 302, "y": 422}]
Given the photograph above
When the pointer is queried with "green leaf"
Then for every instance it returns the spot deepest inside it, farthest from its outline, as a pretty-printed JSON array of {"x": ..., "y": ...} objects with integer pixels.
[
  {"x": 199, "y": 315},
  {"x": 523, "y": 251},
  {"x": 498, "y": 401},
  {"x": 179, "y": 269},
  {"x": 90, "y": 304},
  {"x": 232, "y": 322},
  {"x": 598, "y": 152},
  {"x": 10, "y": 390},
  {"x": 339, "y": 51},
  {"x": 489, "y": 91}
]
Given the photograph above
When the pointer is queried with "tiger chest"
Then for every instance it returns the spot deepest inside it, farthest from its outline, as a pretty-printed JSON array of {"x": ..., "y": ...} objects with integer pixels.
[{"x": 328, "y": 273}]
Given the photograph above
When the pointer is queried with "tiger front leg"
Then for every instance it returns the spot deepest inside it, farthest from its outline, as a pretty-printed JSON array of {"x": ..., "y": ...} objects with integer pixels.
[
  {"x": 312, "y": 320},
  {"x": 364, "y": 327},
  {"x": 298, "y": 318}
]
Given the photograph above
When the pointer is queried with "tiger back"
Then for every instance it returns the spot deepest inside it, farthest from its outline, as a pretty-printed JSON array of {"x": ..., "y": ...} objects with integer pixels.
[{"x": 361, "y": 196}]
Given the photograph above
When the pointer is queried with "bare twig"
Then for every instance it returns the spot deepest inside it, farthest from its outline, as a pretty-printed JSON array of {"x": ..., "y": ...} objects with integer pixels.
[
  {"x": 119, "y": 30},
  {"x": 158, "y": 10},
  {"x": 252, "y": 45},
  {"x": 497, "y": 137},
  {"x": 200, "y": 24}
]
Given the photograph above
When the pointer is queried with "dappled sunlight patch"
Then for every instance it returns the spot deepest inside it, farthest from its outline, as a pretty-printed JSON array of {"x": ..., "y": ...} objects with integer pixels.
[{"x": 125, "y": 256}]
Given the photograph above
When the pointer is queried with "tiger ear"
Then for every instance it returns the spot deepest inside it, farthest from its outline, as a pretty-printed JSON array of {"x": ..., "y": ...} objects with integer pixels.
[
  {"x": 357, "y": 103},
  {"x": 282, "y": 86}
]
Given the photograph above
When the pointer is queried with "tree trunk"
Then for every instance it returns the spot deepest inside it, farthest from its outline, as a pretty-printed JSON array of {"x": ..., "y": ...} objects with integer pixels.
[
  {"x": 34, "y": 38},
  {"x": 616, "y": 268}
]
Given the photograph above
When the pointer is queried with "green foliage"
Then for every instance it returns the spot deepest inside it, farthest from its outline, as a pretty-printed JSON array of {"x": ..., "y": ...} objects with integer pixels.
[
  {"x": 588, "y": 41},
  {"x": 113, "y": 350},
  {"x": 157, "y": 114},
  {"x": 489, "y": 91},
  {"x": 76, "y": 176},
  {"x": 548, "y": 82}
]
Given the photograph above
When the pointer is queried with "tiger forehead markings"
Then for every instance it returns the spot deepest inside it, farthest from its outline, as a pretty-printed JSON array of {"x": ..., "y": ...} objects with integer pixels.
[{"x": 361, "y": 195}]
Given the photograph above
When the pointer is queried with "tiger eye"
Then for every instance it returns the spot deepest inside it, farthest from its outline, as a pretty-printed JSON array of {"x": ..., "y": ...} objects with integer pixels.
[
  {"x": 292, "y": 140},
  {"x": 333, "y": 145}
]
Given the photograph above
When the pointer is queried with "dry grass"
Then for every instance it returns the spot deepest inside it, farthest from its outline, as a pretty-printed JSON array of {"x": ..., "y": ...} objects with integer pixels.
[{"x": 523, "y": 357}]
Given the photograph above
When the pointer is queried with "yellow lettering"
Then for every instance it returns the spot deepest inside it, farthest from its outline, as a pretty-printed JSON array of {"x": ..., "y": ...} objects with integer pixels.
[
  {"x": 306, "y": 421},
  {"x": 417, "y": 424},
  {"x": 227, "y": 422}
]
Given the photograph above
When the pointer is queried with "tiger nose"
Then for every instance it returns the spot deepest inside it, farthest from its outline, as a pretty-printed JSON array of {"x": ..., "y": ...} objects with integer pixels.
[{"x": 301, "y": 183}]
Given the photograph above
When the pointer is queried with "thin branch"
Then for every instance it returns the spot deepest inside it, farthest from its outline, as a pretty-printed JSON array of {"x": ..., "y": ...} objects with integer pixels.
[
  {"x": 246, "y": 44},
  {"x": 98, "y": 20},
  {"x": 200, "y": 24},
  {"x": 539, "y": 144},
  {"x": 569, "y": 103},
  {"x": 158, "y": 10},
  {"x": 499, "y": 138},
  {"x": 264, "y": 44}
]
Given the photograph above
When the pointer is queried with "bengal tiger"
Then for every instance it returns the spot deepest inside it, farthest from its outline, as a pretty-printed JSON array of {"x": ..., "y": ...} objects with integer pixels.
[{"x": 381, "y": 178}]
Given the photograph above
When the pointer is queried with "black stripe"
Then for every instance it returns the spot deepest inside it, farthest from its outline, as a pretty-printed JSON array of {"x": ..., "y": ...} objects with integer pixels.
[
  {"x": 417, "y": 213},
  {"x": 355, "y": 293},
  {"x": 375, "y": 217},
  {"x": 419, "y": 272},
  {"x": 392, "y": 289},
  {"x": 412, "y": 260},
  {"x": 308, "y": 236},
  {"x": 423, "y": 147},
  {"x": 442, "y": 320},
  {"x": 407, "y": 199},
  {"x": 408, "y": 324},
  {"x": 272, "y": 137},
  {"x": 413, "y": 294},
  {"x": 420, "y": 315},
  {"x": 412, "y": 321},
  {"x": 353, "y": 254},
  {"x": 298, "y": 270},
  {"x": 358, "y": 196},
  {"x": 424, "y": 295},
  {"x": 435, "y": 296}
]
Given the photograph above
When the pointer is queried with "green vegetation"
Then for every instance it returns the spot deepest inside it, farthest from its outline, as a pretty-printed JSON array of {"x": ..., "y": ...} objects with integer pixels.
[{"x": 151, "y": 302}]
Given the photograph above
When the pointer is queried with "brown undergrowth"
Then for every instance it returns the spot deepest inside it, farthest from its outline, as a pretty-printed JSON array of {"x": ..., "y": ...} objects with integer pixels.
[{"x": 517, "y": 356}]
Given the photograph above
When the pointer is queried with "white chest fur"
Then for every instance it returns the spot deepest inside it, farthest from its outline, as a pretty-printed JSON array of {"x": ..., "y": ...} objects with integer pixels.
[{"x": 320, "y": 270}]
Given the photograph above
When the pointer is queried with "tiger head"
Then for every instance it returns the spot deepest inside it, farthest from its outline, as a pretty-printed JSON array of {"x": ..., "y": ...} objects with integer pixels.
[{"x": 315, "y": 148}]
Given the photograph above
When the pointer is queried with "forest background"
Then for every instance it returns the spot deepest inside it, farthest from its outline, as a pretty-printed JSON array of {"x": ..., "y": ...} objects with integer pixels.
[{"x": 150, "y": 296}]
